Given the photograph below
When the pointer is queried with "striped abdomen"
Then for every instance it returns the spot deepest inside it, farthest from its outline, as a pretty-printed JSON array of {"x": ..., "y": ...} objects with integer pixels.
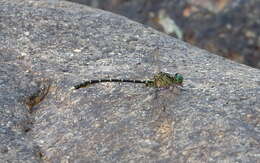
[{"x": 89, "y": 82}]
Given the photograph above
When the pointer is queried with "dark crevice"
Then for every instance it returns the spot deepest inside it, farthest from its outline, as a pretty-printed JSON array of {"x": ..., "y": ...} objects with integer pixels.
[{"x": 38, "y": 96}]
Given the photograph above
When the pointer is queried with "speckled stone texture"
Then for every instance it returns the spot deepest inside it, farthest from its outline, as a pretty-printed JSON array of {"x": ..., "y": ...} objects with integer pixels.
[{"x": 48, "y": 47}]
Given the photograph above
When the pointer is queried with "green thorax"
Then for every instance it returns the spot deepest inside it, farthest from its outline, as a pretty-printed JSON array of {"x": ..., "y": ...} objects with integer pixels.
[{"x": 163, "y": 79}]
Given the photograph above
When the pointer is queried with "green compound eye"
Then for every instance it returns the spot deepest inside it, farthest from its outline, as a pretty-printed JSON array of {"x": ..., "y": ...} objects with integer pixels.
[{"x": 178, "y": 78}]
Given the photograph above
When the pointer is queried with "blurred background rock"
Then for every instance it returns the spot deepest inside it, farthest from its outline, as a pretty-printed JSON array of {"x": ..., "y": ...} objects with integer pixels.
[{"x": 230, "y": 28}]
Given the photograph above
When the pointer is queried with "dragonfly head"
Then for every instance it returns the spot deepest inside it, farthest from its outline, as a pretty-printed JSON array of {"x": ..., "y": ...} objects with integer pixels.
[{"x": 178, "y": 79}]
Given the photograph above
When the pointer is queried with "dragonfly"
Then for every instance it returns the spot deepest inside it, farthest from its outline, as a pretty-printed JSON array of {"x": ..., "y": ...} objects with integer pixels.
[{"x": 159, "y": 80}]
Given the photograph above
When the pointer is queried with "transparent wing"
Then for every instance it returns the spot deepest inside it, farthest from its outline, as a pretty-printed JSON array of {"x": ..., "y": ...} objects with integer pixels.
[
  {"x": 158, "y": 102},
  {"x": 156, "y": 60}
]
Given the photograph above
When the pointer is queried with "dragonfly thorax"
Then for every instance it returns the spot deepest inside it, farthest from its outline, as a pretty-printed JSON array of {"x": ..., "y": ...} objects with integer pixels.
[{"x": 163, "y": 79}]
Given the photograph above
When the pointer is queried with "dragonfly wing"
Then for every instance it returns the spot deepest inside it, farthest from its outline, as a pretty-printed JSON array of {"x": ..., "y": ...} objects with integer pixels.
[
  {"x": 156, "y": 61},
  {"x": 164, "y": 99},
  {"x": 158, "y": 105}
]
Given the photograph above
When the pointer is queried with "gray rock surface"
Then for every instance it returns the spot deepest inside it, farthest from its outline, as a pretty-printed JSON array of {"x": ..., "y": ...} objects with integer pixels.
[{"x": 47, "y": 47}]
